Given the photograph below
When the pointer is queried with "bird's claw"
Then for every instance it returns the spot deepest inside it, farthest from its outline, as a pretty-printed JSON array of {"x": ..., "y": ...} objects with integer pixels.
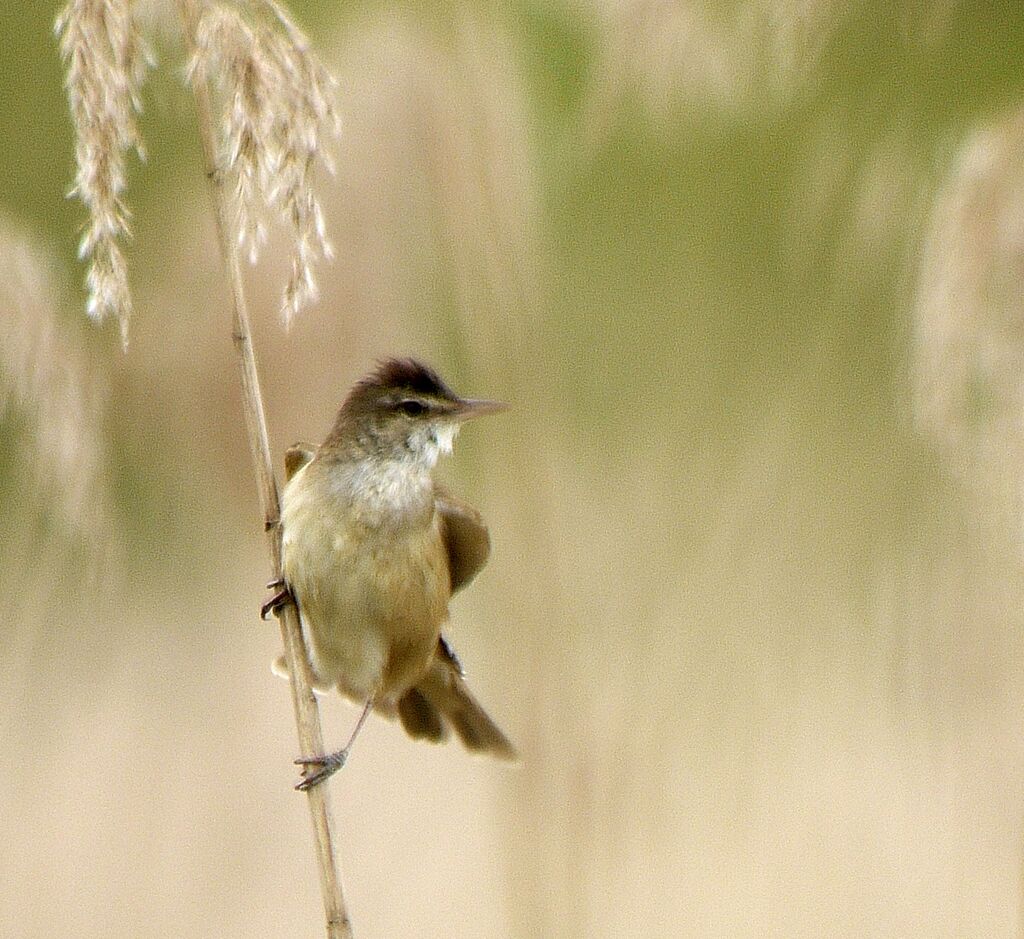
[
  {"x": 280, "y": 599},
  {"x": 329, "y": 765}
]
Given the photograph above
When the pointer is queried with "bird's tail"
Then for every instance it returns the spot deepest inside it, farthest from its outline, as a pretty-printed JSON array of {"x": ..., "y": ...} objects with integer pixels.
[{"x": 441, "y": 700}]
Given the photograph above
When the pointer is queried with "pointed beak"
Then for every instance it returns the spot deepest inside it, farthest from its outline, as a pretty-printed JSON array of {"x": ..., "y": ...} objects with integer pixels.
[{"x": 469, "y": 408}]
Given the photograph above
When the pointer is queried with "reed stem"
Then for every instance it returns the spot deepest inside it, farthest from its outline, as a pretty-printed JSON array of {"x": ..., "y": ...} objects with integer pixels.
[{"x": 307, "y": 715}]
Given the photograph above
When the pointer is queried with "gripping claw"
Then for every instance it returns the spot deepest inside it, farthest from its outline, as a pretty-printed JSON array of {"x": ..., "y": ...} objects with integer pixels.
[
  {"x": 280, "y": 599},
  {"x": 329, "y": 765}
]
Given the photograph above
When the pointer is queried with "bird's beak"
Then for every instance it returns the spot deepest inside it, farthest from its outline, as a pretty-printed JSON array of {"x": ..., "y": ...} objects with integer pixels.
[{"x": 468, "y": 408}]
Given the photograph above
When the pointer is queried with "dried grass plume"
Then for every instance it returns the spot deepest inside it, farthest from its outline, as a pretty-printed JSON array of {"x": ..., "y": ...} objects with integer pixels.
[
  {"x": 968, "y": 331},
  {"x": 106, "y": 61},
  {"x": 47, "y": 384},
  {"x": 277, "y": 117},
  {"x": 276, "y": 112}
]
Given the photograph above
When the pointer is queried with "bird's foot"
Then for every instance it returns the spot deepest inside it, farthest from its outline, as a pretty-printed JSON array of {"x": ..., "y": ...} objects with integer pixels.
[
  {"x": 328, "y": 766},
  {"x": 280, "y": 599}
]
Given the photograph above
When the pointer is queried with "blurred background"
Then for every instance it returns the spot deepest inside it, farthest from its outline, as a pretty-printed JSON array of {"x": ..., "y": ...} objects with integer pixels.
[{"x": 751, "y": 275}]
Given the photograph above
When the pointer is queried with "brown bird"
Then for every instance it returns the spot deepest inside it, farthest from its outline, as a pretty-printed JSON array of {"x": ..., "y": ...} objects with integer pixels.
[{"x": 373, "y": 548}]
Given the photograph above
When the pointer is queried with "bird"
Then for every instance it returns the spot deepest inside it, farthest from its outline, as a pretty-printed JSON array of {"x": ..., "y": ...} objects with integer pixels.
[{"x": 373, "y": 548}]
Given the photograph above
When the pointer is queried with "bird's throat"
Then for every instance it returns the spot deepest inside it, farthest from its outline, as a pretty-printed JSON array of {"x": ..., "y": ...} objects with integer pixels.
[{"x": 380, "y": 492}]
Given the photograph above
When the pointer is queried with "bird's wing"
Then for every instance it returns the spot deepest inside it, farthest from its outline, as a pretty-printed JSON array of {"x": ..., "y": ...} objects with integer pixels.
[
  {"x": 296, "y": 457},
  {"x": 465, "y": 537}
]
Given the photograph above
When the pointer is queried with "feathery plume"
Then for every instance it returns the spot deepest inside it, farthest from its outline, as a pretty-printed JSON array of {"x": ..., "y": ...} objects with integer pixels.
[
  {"x": 277, "y": 111},
  {"x": 968, "y": 343},
  {"x": 106, "y": 62},
  {"x": 46, "y": 380}
]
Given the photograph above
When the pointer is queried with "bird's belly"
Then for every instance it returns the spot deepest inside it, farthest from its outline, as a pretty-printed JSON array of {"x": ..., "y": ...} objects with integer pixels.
[{"x": 372, "y": 602}]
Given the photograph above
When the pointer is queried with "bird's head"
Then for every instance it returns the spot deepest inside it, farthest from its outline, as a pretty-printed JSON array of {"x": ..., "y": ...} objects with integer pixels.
[{"x": 404, "y": 410}]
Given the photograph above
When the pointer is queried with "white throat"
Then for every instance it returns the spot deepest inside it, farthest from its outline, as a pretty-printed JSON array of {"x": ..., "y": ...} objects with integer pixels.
[
  {"x": 403, "y": 482},
  {"x": 430, "y": 443}
]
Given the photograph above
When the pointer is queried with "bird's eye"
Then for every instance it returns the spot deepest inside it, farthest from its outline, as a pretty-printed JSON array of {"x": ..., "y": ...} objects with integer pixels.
[{"x": 412, "y": 407}]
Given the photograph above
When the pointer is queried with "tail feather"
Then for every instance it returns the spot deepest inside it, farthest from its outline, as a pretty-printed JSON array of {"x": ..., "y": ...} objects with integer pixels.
[
  {"x": 420, "y": 718},
  {"x": 441, "y": 699}
]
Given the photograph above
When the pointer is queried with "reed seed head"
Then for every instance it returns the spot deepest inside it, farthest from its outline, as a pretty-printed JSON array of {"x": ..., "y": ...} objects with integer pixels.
[
  {"x": 276, "y": 112},
  {"x": 277, "y": 116},
  {"x": 47, "y": 382},
  {"x": 106, "y": 60}
]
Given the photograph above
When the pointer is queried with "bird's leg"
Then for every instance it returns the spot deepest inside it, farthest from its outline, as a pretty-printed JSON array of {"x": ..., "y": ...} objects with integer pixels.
[
  {"x": 280, "y": 599},
  {"x": 331, "y": 762}
]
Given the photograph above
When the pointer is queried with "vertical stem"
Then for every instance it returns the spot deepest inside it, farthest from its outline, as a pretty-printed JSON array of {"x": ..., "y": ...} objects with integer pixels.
[{"x": 307, "y": 714}]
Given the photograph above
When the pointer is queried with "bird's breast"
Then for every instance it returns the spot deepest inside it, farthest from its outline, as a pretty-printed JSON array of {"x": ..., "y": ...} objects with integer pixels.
[{"x": 373, "y": 592}]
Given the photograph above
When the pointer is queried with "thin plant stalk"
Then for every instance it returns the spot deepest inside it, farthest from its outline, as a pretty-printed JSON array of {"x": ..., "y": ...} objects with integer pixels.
[{"x": 307, "y": 715}]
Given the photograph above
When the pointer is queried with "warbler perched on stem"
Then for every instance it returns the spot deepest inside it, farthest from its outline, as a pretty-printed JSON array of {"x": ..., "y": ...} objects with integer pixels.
[{"x": 372, "y": 550}]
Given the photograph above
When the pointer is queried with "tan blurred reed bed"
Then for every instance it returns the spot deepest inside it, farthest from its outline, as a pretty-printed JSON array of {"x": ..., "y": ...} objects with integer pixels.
[{"x": 757, "y": 636}]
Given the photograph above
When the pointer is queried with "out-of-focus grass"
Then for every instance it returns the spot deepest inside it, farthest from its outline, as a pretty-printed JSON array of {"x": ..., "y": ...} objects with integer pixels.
[{"x": 757, "y": 638}]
